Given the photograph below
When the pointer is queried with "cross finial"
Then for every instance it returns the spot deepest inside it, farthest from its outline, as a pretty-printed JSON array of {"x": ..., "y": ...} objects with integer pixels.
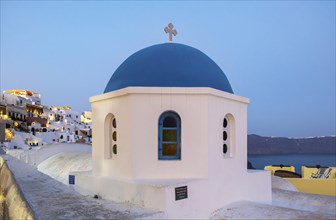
[{"x": 169, "y": 29}]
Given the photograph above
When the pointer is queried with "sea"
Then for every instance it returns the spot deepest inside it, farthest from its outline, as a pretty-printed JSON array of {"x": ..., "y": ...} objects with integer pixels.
[{"x": 296, "y": 160}]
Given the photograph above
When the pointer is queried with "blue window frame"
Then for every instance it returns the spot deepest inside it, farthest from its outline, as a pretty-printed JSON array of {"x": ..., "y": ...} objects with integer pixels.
[{"x": 169, "y": 136}]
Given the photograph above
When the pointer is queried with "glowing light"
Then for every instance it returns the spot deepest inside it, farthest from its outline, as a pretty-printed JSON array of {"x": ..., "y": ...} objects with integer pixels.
[
  {"x": 4, "y": 117},
  {"x": 85, "y": 120},
  {"x": 8, "y": 134},
  {"x": 51, "y": 117},
  {"x": 65, "y": 107},
  {"x": 20, "y": 92}
]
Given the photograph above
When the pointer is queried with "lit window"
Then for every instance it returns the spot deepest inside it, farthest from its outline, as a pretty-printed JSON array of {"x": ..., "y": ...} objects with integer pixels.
[{"x": 169, "y": 136}]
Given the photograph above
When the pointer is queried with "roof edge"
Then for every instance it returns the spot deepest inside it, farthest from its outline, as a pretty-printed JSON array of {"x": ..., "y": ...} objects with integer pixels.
[{"x": 168, "y": 90}]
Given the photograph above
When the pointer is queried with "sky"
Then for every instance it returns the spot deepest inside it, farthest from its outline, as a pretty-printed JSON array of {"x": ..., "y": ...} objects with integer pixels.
[{"x": 279, "y": 54}]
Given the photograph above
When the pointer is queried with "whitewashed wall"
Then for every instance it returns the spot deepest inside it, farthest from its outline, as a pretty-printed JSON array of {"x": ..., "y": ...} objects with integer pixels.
[
  {"x": 137, "y": 176},
  {"x": 137, "y": 111}
]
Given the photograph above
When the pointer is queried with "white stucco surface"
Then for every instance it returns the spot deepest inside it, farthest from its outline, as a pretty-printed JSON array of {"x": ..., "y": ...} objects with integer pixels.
[
  {"x": 60, "y": 165},
  {"x": 51, "y": 199},
  {"x": 135, "y": 174},
  {"x": 305, "y": 201},
  {"x": 38, "y": 154},
  {"x": 137, "y": 110},
  {"x": 280, "y": 183},
  {"x": 252, "y": 210}
]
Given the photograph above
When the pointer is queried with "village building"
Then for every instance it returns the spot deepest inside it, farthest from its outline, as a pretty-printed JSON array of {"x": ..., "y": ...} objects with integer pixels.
[
  {"x": 34, "y": 110},
  {"x": 5, "y": 124},
  {"x": 3, "y": 110},
  {"x": 36, "y": 122},
  {"x": 21, "y": 111},
  {"x": 32, "y": 141},
  {"x": 17, "y": 112},
  {"x": 73, "y": 115},
  {"x": 86, "y": 117},
  {"x": 21, "y": 97},
  {"x": 66, "y": 137},
  {"x": 48, "y": 113},
  {"x": 2, "y": 131}
]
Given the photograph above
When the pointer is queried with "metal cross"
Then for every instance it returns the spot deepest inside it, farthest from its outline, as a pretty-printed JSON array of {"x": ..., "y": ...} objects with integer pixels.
[{"x": 169, "y": 29}]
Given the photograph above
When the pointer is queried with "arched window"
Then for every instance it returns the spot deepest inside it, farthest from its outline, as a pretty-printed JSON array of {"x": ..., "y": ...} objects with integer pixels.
[
  {"x": 110, "y": 136},
  {"x": 169, "y": 136},
  {"x": 228, "y": 136},
  {"x": 114, "y": 136}
]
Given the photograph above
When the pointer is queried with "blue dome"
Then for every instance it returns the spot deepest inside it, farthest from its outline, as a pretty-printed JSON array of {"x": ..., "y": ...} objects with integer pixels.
[{"x": 169, "y": 65}]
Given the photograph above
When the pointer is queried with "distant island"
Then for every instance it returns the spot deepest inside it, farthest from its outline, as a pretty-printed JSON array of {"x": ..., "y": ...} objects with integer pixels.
[{"x": 283, "y": 145}]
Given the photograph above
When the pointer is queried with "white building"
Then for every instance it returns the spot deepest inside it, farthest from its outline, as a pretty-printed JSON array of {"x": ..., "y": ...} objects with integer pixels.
[
  {"x": 170, "y": 134},
  {"x": 86, "y": 117},
  {"x": 73, "y": 115},
  {"x": 49, "y": 113},
  {"x": 36, "y": 125},
  {"x": 21, "y": 97},
  {"x": 66, "y": 137}
]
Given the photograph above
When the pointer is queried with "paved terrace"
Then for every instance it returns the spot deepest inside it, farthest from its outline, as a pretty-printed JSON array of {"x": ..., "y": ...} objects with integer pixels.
[{"x": 50, "y": 199}]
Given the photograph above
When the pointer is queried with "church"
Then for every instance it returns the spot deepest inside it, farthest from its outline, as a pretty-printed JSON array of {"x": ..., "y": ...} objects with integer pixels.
[{"x": 170, "y": 134}]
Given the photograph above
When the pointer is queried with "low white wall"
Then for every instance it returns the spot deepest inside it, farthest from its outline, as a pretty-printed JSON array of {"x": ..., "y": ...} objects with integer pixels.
[
  {"x": 11, "y": 198},
  {"x": 120, "y": 190},
  {"x": 204, "y": 195}
]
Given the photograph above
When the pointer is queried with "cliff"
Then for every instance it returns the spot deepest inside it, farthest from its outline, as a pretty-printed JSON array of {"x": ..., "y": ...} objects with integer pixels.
[{"x": 282, "y": 145}]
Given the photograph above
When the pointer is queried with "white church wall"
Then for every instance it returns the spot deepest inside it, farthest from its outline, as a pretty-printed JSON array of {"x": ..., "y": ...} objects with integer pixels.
[
  {"x": 121, "y": 190},
  {"x": 156, "y": 194},
  {"x": 145, "y": 158},
  {"x": 192, "y": 111},
  {"x": 196, "y": 206},
  {"x": 101, "y": 149},
  {"x": 237, "y": 158},
  {"x": 199, "y": 129},
  {"x": 229, "y": 174},
  {"x": 209, "y": 175},
  {"x": 226, "y": 170}
]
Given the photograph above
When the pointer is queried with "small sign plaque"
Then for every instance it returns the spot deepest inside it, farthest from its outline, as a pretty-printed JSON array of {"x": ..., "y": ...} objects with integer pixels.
[
  {"x": 71, "y": 179},
  {"x": 181, "y": 193}
]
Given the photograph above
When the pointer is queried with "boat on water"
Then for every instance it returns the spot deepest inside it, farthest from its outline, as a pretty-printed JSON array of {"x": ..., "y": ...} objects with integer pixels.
[{"x": 313, "y": 179}]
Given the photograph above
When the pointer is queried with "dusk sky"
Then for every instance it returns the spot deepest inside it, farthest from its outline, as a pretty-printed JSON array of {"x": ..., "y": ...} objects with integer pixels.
[{"x": 280, "y": 54}]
